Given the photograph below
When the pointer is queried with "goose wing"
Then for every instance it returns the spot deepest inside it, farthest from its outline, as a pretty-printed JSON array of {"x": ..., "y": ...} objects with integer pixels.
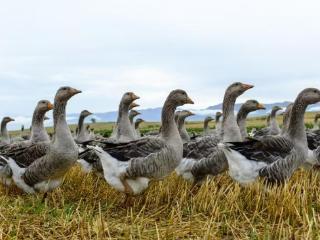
[
  {"x": 261, "y": 133},
  {"x": 27, "y": 154},
  {"x": 200, "y": 147},
  {"x": 313, "y": 138},
  {"x": 135, "y": 149},
  {"x": 268, "y": 149}
]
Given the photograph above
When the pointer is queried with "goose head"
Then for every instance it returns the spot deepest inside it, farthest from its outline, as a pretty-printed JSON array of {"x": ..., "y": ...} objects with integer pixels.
[
  {"x": 253, "y": 105},
  {"x": 65, "y": 93},
  {"x": 129, "y": 97},
  {"x": 310, "y": 96},
  {"x": 179, "y": 97},
  {"x": 133, "y": 113},
  {"x": 7, "y": 120},
  {"x": 138, "y": 122},
  {"x": 237, "y": 88},
  {"x": 133, "y": 105},
  {"x": 208, "y": 119},
  {"x": 185, "y": 113},
  {"x": 275, "y": 109},
  {"x": 44, "y": 106},
  {"x": 218, "y": 116},
  {"x": 85, "y": 113}
]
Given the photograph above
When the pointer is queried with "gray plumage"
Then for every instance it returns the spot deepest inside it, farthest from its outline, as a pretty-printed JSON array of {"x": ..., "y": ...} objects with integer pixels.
[
  {"x": 4, "y": 137},
  {"x": 201, "y": 156},
  {"x": 246, "y": 108},
  {"x": 149, "y": 157},
  {"x": 273, "y": 128},
  {"x": 59, "y": 155},
  {"x": 282, "y": 155},
  {"x": 123, "y": 131},
  {"x": 83, "y": 135},
  {"x": 180, "y": 117}
]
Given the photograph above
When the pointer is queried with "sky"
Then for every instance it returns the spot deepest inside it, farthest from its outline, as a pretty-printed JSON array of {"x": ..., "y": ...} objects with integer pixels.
[{"x": 106, "y": 48}]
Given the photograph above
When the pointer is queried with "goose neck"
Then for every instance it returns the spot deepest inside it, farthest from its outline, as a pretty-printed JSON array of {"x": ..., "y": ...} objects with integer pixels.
[
  {"x": 38, "y": 132},
  {"x": 296, "y": 128},
  {"x": 231, "y": 131},
  {"x": 4, "y": 131}
]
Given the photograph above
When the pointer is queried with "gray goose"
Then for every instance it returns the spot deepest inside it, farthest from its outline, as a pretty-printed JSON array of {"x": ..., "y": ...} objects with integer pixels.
[
  {"x": 180, "y": 117},
  {"x": 286, "y": 118},
  {"x": 274, "y": 158},
  {"x": 316, "y": 124},
  {"x": 5, "y": 138},
  {"x": 137, "y": 125},
  {"x": 206, "y": 129},
  {"x": 218, "y": 128},
  {"x": 128, "y": 167},
  {"x": 83, "y": 135},
  {"x": 123, "y": 132},
  {"x": 273, "y": 128},
  {"x": 14, "y": 150},
  {"x": 54, "y": 159},
  {"x": 201, "y": 157},
  {"x": 132, "y": 114},
  {"x": 246, "y": 108},
  {"x": 38, "y": 131}
]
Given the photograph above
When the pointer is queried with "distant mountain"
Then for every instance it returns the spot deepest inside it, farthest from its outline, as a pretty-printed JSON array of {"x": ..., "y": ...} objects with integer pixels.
[{"x": 154, "y": 114}]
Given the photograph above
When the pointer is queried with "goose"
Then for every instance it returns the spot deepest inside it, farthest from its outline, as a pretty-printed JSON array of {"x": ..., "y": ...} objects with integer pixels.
[
  {"x": 218, "y": 128},
  {"x": 201, "y": 157},
  {"x": 273, "y": 128},
  {"x": 5, "y": 138},
  {"x": 316, "y": 124},
  {"x": 122, "y": 131},
  {"x": 273, "y": 158},
  {"x": 132, "y": 114},
  {"x": 246, "y": 108},
  {"x": 206, "y": 129},
  {"x": 286, "y": 118},
  {"x": 136, "y": 126},
  {"x": 38, "y": 131},
  {"x": 83, "y": 133},
  {"x": 180, "y": 118},
  {"x": 51, "y": 160},
  {"x": 128, "y": 167}
]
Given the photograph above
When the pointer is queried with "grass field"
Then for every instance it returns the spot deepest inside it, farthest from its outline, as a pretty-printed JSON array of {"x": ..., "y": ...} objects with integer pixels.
[{"x": 85, "y": 207}]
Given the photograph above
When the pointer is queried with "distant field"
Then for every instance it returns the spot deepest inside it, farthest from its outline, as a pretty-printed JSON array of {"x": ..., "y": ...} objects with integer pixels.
[
  {"x": 106, "y": 128},
  {"x": 85, "y": 207}
]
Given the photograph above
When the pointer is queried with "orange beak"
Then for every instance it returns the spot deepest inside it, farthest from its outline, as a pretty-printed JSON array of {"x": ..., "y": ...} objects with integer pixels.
[
  {"x": 134, "y": 97},
  {"x": 247, "y": 86},
  {"x": 261, "y": 106},
  {"x": 50, "y": 106},
  {"x": 133, "y": 105},
  {"x": 75, "y": 91},
  {"x": 189, "y": 100}
]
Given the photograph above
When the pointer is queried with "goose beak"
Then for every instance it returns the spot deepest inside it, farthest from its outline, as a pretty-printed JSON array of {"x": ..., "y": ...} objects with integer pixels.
[
  {"x": 11, "y": 119},
  {"x": 50, "y": 106},
  {"x": 261, "y": 106},
  {"x": 247, "y": 86},
  {"x": 135, "y": 97},
  {"x": 133, "y": 105},
  {"x": 75, "y": 91},
  {"x": 189, "y": 101}
]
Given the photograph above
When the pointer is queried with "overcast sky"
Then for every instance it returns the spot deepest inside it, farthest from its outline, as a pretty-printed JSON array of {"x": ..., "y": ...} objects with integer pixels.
[{"x": 150, "y": 47}]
